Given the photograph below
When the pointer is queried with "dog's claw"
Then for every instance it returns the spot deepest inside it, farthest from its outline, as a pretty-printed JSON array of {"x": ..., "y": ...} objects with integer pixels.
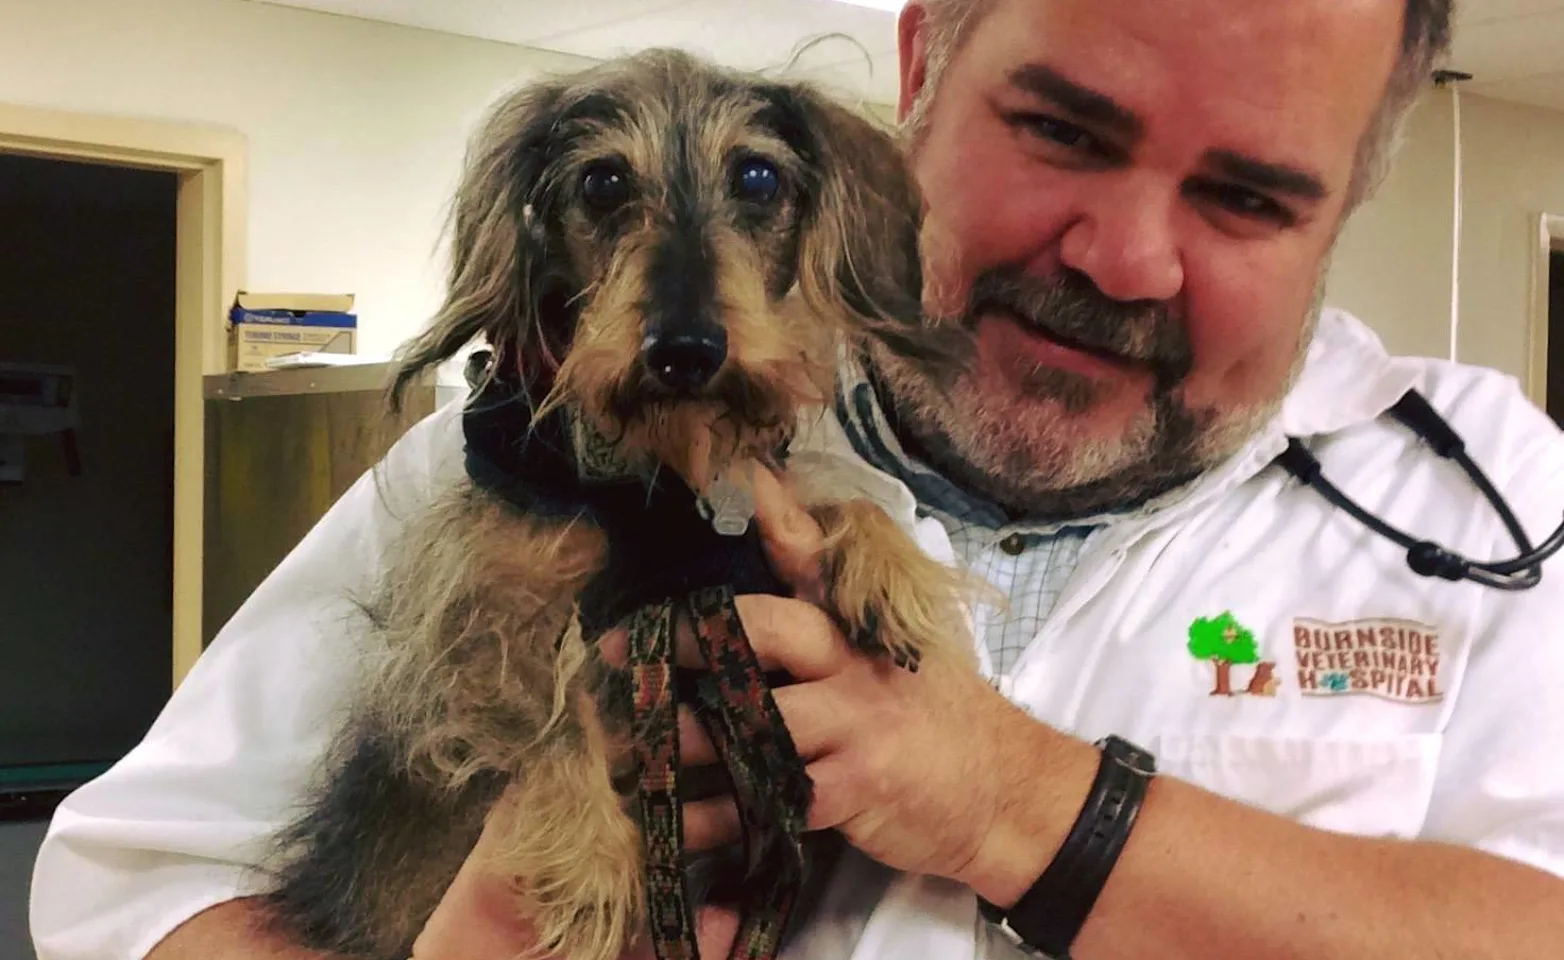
[{"x": 868, "y": 638}]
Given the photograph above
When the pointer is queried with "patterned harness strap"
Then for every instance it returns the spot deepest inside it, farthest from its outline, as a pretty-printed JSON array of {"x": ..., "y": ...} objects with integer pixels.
[
  {"x": 651, "y": 663},
  {"x": 734, "y": 704}
]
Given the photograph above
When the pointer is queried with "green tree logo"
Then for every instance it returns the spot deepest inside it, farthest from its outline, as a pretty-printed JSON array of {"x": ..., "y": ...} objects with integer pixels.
[{"x": 1226, "y": 642}]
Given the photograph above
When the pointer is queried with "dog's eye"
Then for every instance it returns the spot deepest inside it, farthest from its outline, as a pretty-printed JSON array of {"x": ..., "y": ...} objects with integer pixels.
[
  {"x": 604, "y": 188},
  {"x": 757, "y": 180}
]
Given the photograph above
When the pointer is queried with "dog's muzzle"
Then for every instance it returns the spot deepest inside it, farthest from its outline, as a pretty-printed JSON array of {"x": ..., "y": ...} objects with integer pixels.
[{"x": 684, "y": 361}]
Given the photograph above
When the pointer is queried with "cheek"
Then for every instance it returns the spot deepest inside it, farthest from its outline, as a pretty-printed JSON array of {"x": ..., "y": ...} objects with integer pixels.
[
  {"x": 1010, "y": 216},
  {"x": 778, "y": 245},
  {"x": 1247, "y": 309}
]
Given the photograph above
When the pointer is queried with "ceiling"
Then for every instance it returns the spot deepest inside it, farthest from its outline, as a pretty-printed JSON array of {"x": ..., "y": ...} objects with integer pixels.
[
  {"x": 1513, "y": 48},
  {"x": 757, "y": 34}
]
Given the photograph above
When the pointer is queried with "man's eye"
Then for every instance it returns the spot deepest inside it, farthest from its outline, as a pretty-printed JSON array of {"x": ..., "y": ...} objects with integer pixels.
[
  {"x": 1248, "y": 203},
  {"x": 1056, "y": 131}
]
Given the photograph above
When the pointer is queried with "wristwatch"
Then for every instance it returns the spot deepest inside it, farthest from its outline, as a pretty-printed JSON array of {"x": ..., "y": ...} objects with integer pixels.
[{"x": 1049, "y": 915}]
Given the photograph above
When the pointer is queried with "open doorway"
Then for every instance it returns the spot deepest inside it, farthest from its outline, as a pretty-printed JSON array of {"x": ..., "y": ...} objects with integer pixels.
[
  {"x": 1556, "y": 336},
  {"x": 87, "y": 291},
  {"x": 1545, "y": 374},
  {"x": 87, "y": 259},
  {"x": 121, "y": 240}
]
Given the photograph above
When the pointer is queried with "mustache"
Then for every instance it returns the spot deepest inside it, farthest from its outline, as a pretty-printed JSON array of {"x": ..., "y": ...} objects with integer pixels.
[{"x": 1070, "y": 308}]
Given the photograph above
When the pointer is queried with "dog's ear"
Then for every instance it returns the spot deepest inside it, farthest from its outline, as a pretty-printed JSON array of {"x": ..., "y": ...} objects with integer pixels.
[
  {"x": 500, "y": 262},
  {"x": 859, "y": 232}
]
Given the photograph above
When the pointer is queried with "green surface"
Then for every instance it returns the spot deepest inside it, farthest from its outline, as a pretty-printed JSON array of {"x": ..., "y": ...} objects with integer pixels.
[{"x": 33, "y": 776}]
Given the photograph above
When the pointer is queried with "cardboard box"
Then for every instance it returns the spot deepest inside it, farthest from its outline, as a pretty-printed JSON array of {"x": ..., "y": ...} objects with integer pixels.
[{"x": 266, "y": 325}]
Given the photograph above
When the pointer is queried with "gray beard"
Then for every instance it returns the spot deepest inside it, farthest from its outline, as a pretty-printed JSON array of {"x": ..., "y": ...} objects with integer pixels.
[{"x": 1035, "y": 473}]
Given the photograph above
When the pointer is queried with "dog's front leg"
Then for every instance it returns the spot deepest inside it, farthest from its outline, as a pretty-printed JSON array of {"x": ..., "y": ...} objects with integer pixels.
[
  {"x": 493, "y": 678},
  {"x": 891, "y": 598},
  {"x": 563, "y": 834}
]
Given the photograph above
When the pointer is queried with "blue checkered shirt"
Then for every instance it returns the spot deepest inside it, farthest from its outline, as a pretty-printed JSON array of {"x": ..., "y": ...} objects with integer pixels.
[{"x": 1027, "y": 562}]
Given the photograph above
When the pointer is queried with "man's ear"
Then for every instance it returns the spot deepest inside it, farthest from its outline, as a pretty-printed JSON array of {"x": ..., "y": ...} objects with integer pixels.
[{"x": 912, "y": 55}]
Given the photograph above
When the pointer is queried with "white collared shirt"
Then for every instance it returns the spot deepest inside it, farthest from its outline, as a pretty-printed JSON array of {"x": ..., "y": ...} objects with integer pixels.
[{"x": 1386, "y": 704}]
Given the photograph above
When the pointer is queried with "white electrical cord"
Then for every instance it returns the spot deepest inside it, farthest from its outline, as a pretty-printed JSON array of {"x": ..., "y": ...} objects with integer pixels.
[{"x": 1455, "y": 252}]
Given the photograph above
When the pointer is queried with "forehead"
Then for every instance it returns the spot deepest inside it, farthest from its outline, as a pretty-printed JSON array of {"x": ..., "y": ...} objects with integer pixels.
[
  {"x": 667, "y": 119},
  {"x": 1292, "y": 81}
]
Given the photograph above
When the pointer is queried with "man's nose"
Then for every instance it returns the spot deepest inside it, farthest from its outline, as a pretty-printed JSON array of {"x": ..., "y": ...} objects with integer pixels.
[{"x": 1124, "y": 240}]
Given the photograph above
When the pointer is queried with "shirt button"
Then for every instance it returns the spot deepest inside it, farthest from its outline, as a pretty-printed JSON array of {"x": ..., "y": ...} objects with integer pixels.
[{"x": 1013, "y": 545}]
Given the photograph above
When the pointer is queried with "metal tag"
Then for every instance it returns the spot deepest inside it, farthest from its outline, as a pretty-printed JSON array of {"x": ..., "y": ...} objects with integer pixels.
[
  {"x": 729, "y": 505},
  {"x": 596, "y": 459}
]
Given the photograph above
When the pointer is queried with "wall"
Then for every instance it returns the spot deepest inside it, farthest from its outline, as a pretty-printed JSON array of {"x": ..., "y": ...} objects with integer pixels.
[
  {"x": 86, "y": 279},
  {"x": 356, "y": 129},
  {"x": 1393, "y": 264}
]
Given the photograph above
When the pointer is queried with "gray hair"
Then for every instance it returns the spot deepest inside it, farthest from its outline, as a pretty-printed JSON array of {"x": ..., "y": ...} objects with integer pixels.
[{"x": 1425, "y": 40}]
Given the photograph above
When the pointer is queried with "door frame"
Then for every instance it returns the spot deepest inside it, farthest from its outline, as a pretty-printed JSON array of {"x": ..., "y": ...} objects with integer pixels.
[
  {"x": 1547, "y": 238},
  {"x": 211, "y": 163}
]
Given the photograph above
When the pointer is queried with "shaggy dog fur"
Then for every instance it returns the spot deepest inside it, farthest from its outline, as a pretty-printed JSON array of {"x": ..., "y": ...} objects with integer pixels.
[{"x": 670, "y": 256}]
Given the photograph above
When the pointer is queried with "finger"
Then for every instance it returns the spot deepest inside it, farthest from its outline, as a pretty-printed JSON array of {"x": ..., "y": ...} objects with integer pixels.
[
  {"x": 835, "y": 796},
  {"x": 710, "y": 824},
  {"x": 792, "y": 639},
  {"x": 793, "y": 636},
  {"x": 715, "y": 930},
  {"x": 790, "y": 536},
  {"x": 614, "y": 646},
  {"x": 687, "y": 647},
  {"x": 716, "y": 927},
  {"x": 815, "y": 719},
  {"x": 695, "y": 747},
  {"x": 478, "y": 917}
]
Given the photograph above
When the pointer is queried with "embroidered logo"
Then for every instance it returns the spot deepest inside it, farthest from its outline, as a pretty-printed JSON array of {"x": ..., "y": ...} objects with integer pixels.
[
  {"x": 1391, "y": 659},
  {"x": 1226, "y": 643}
]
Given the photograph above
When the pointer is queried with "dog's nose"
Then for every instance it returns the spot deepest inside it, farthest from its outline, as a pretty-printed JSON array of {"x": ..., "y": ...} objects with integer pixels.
[{"x": 685, "y": 361}]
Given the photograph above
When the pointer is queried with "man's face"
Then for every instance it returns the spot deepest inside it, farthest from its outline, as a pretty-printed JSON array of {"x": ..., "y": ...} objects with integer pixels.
[{"x": 1130, "y": 205}]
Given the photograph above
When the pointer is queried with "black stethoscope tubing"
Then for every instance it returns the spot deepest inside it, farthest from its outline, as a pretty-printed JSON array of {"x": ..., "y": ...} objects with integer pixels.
[{"x": 1426, "y": 558}]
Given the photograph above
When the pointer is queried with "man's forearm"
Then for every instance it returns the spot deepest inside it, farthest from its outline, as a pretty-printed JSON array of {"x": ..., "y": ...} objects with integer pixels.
[
  {"x": 1203, "y": 876},
  {"x": 234, "y": 930}
]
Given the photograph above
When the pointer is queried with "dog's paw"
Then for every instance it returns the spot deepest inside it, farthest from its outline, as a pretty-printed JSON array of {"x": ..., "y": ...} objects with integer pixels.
[
  {"x": 589, "y": 908},
  {"x": 576, "y": 854},
  {"x": 890, "y": 599},
  {"x": 898, "y": 623}
]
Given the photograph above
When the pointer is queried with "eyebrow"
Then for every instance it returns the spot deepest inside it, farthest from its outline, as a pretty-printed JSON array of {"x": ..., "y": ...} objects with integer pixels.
[
  {"x": 1272, "y": 177},
  {"x": 1082, "y": 102}
]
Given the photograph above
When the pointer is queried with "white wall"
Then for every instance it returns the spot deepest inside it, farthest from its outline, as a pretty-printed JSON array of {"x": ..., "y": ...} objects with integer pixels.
[
  {"x": 1393, "y": 265},
  {"x": 356, "y": 132},
  {"x": 356, "y": 129}
]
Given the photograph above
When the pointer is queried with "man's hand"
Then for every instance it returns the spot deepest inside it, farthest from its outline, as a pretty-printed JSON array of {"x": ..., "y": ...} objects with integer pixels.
[
  {"x": 936, "y": 772},
  {"x": 917, "y": 770}
]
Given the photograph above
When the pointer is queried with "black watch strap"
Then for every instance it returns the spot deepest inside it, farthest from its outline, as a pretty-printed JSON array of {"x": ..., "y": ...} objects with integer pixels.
[{"x": 1049, "y": 916}]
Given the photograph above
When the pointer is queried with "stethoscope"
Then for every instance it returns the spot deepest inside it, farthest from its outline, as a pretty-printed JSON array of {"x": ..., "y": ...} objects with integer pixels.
[{"x": 1424, "y": 557}]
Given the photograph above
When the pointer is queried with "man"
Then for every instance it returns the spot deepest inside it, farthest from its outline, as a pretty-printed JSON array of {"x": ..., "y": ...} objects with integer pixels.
[{"x": 1133, "y": 206}]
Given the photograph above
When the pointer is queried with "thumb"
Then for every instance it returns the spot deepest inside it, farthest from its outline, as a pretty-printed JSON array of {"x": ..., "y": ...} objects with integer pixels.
[
  {"x": 791, "y": 538},
  {"x": 716, "y": 928},
  {"x": 479, "y": 918}
]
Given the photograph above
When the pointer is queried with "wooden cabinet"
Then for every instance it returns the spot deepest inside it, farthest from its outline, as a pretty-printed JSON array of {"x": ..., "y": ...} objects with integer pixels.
[{"x": 281, "y": 447}]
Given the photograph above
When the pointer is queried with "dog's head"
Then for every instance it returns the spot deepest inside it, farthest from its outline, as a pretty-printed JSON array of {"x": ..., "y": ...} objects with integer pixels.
[{"x": 676, "y": 251}]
